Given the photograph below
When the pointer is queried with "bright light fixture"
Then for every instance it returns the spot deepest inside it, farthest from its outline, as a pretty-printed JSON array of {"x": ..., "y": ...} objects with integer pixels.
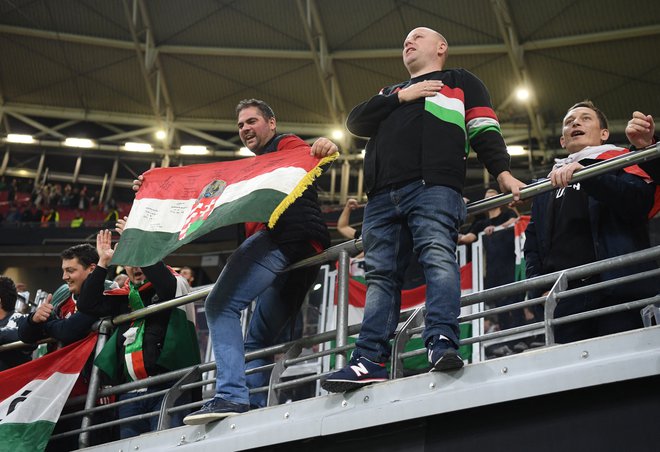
[
  {"x": 337, "y": 134},
  {"x": 317, "y": 286},
  {"x": 79, "y": 143},
  {"x": 138, "y": 147},
  {"x": 516, "y": 150},
  {"x": 19, "y": 138},
  {"x": 161, "y": 134},
  {"x": 522, "y": 94},
  {"x": 245, "y": 152},
  {"x": 193, "y": 150}
]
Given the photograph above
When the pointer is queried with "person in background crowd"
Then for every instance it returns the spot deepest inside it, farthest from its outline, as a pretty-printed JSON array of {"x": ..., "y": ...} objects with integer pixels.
[
  {"x": 498, "y": 216},
  {"x": 78, "y": 220},
  {"x": 9, "y": 326},
  {"x": 50, "y": 218},
  {"x": 188, "y": 273},
  {"x": 58, "y": 316},
  {"x": 343, "y": 223},
  {"x": 31, "y": 214}
]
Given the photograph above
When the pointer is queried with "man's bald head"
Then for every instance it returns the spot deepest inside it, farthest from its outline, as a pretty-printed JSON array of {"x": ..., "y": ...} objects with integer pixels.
[{"x": 424, "y": 50}]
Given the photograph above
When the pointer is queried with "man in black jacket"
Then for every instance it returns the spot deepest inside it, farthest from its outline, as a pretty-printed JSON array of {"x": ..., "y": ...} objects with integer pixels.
[
  {"x": 419, "y": 134},
  {"x": 256, "y": 270},
  {"x": 58, "y": 316},
  {"x": 599, "y": 218}
]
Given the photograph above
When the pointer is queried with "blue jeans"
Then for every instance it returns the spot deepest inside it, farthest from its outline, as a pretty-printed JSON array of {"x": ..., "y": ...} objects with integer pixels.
[
  {"x": 254, "y": 271},
  {"x": 419, "y": 218}
]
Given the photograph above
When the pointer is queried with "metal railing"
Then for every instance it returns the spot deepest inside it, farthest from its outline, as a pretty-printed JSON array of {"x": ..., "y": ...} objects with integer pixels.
[
  {"x": 411, "y": 325},
  {"x": 189, "y": 378}
]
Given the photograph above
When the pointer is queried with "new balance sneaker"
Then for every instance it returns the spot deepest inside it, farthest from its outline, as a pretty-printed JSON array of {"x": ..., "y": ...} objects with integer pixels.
[
  {"x": 359, "y": 372},
  {"x": 214, "y": 410},
  {"x": 443, "y": 356}
]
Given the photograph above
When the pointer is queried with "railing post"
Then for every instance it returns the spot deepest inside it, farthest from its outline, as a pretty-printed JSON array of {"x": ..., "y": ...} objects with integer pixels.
[
  {"x": 400, "y": 340},
  {"x": 342, "y": 306},
  {"x": 649, "y": 313},
  {"x": 94, "y": 382},
  {"x": 276, "y": 374},
  {"x": 170, "y": 398},
  {"x": 549, "y": 308}
]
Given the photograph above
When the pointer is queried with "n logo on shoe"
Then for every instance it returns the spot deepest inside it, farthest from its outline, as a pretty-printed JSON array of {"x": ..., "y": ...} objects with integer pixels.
[{"x": 360, "y": 370}]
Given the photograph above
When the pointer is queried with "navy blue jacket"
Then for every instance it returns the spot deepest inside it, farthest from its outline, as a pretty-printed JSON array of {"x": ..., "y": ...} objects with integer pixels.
[{"x": 619, "y": 204}]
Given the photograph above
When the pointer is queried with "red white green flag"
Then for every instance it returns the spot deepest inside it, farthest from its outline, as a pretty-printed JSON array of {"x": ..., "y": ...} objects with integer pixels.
[
  {"x": 32, "y": 396},
  {"x": 176, "y": 205},
  {"x": 519, "y": 242}
]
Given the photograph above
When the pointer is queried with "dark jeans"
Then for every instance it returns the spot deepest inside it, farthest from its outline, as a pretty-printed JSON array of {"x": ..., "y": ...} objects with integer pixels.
[
  {"x": 138, "y": 427},
  {"x": 397, "y": 222},
  {"x": 596, "y": 326}
]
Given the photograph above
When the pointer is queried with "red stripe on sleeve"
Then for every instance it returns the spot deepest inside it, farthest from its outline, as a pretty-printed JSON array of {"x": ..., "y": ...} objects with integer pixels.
[{"x": 480, "y": 112}]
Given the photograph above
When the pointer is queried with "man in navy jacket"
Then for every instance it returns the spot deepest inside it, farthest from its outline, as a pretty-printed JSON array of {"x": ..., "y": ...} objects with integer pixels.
[{"x": 598, "y": 218}]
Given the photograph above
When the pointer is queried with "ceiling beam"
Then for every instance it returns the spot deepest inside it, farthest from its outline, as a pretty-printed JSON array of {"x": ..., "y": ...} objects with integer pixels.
[
  {"x": 317, "y": 42},
  {"x": 517, "y": 58},
  {"x": 592, "y": 38},
  {"x": 60, "y": 126},
  {"x": 36, "y": 124},
  {"x": 122, "y": 134},
  {"x": 206, "y": 136},
  {"x": 150, "y": 67},
  {"x": 484, "y": 49},
  {"x": 98, "y": 116}
]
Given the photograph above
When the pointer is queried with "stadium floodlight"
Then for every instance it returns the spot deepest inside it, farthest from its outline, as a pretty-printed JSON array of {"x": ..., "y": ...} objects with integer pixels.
[
  {"x": 79, "y": 143},
  {"x": 189, "y": 149},
  {"x": 20, "y": 138}
]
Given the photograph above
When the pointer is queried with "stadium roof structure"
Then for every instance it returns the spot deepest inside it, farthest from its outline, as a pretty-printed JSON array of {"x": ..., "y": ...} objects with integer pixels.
[{"x": 118, "y": 71}]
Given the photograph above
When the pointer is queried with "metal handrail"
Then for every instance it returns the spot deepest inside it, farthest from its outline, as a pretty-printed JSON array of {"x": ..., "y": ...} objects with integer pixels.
[{"x": 543, "y": 186}]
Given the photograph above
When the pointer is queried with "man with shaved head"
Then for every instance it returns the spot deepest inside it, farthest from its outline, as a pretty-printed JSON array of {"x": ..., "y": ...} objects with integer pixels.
[{"x": 420, "y": 132}]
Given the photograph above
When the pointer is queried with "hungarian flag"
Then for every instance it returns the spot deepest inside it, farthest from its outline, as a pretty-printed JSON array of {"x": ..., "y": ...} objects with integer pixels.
[
  {"x": 176, "y": 205},
  {"x": 519, "y": 242},
  {"x": 32, "y": 395}
]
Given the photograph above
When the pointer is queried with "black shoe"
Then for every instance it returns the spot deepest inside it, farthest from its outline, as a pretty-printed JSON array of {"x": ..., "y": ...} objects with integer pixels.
[
  {"x": 214, "y": 410},
  {"x": 443, "y": 356},
  {"x": 359, "y": 372}
]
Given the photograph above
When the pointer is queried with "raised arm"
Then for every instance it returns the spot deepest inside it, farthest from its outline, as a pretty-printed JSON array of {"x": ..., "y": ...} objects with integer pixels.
[{"x": 343, "y": 226}]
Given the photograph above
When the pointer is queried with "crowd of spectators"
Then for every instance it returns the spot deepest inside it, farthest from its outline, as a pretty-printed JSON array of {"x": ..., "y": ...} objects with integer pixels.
[{"x": 55, "y": 204}]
